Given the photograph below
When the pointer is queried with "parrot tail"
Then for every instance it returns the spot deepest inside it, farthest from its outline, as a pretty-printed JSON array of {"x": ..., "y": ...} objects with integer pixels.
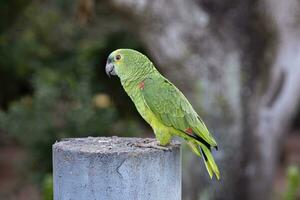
[
  {"x": 209, "y": 161},
  {"x": 203, "y": 151}
]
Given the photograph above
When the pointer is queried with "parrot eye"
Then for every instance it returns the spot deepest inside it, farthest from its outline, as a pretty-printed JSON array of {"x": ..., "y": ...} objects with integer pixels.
[{"x": 118, "y": 57}]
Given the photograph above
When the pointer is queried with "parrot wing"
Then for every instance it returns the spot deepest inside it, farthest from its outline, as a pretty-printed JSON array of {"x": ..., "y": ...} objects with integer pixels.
[{"x": 174, "y": 110}]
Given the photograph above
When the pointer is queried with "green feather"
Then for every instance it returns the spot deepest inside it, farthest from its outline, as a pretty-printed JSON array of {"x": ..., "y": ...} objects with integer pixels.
[{"x": 172, "y": 107}]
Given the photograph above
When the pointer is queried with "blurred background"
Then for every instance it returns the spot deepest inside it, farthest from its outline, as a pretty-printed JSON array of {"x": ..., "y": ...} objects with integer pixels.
[{"x": 237, "y": 61}]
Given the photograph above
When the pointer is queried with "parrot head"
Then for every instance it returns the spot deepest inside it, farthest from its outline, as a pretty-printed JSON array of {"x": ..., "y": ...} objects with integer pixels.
[{"x": 126, "y": 63}]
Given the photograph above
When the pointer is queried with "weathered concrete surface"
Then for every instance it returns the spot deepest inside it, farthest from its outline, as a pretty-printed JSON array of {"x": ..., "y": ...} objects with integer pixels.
[{"x": 114, "y": 168}]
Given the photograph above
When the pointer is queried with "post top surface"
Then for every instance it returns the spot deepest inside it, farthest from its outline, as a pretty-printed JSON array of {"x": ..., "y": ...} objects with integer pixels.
[{"x": 106, "y": 145}]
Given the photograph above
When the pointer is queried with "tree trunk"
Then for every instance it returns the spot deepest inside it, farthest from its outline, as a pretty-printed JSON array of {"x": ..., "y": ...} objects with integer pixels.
[
  {"x": 220, "y": 54},
  {"x": 278, "y": 105}
]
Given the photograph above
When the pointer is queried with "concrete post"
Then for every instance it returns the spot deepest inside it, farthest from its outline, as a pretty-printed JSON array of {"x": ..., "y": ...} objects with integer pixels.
[{"x": 114, "y": 168}]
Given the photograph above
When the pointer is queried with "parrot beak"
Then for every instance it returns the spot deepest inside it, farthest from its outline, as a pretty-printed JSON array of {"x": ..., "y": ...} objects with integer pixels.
[{"x": 110, "y": 68}]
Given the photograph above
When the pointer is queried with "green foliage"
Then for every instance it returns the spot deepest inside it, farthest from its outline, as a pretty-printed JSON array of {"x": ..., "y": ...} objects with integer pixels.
[
  {"x": 60, "y": 107},
  {"x": 293, "y": 183},
  {"x": 51, "y": 61},
  {"x": 8, "y": 10},
  {"x": 47, "y": 35},
  {"x": 47, "y": 190}
]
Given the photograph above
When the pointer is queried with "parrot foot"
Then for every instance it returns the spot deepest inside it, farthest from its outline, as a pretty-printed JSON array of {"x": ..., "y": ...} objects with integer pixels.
[{"x": 153, "y": 144}]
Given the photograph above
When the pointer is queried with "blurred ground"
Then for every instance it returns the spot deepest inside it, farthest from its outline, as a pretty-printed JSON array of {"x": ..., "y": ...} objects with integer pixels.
[{"x": 13, "y": 187}]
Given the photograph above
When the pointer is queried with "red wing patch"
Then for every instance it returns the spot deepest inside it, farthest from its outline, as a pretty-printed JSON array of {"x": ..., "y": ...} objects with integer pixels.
[
  {"x": 189, "y": 131},
  {"x": 141, "y": 85}
]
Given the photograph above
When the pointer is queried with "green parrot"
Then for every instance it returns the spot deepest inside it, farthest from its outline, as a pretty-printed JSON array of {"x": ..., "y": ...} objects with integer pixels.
[{"x": 161, "y": 104}]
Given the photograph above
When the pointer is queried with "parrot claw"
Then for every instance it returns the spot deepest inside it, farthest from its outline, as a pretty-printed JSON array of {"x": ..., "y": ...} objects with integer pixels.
[{"x": 153, "y": 144}]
